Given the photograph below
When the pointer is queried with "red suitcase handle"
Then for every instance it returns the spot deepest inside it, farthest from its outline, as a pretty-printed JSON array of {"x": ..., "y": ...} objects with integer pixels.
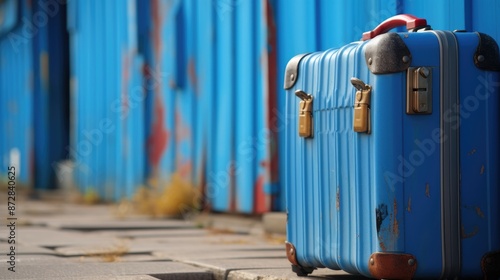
[{"x": 410, "y": 21}]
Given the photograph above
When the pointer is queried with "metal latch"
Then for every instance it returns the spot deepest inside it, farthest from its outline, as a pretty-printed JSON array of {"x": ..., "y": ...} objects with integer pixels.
[
  {"x": 362, "y": 121},
  {"x": 305, "y": 114},
  {"x": 419, "y": 90}
]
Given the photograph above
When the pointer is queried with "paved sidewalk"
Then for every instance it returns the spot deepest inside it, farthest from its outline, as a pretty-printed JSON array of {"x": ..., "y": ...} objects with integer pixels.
[{"x": 58, "y": 240}]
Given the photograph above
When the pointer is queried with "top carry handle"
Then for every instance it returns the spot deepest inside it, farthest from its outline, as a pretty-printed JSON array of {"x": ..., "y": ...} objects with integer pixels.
[{"x": 412, "y": 22}]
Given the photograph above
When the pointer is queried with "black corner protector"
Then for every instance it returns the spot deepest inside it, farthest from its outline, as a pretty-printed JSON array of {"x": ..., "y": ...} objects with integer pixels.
[
  {"x": 487, "y": 56},
  {"x": 387, "y": 53},
  {"x": 292, "y": 70},
  {"x": 490, "y": 264}
]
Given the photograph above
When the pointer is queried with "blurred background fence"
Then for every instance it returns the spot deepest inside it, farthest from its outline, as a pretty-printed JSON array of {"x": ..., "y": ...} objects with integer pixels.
[{"x": 123, "y": 94}]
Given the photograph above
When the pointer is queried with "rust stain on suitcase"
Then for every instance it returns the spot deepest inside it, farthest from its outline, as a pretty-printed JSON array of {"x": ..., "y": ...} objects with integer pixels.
[
  {"x": 395, "y": 224},
  {"x": 427, "y": 190},
  {"x": 479, "y": 212},
  {"x": 382, "y": 245},
  {"x": 465, "y": 235},
  {"x": 482, "y": 170}
]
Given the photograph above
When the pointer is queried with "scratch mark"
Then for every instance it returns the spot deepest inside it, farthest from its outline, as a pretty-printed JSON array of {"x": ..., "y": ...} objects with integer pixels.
[
  {"x": 479, "y": 212},
  {"x": 471, "y": 152},
  {"x": 337, "y": 202},
  {"x": 380, "y": 214},
  {"x": 395, "y": 225},
  {"x": 482, "y": 169},
  {"x": 427, "y": 190},
  {"x": 469, "y": 235},
  {"x": 408, "y": 208}
]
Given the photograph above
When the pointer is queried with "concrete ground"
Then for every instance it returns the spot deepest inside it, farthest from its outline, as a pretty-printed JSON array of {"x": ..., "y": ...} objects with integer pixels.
[{"x": 59, "y": 240}]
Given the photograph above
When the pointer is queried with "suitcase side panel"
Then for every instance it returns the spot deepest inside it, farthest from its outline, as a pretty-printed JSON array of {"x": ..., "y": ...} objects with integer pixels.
[
  {"x": 408, "y": 167},
  {"x": 331, "y": 201},
  {"x": 333, "y": 176},
  {"x": 314, "y": 194},
  {"x": 479, "y": 158}
]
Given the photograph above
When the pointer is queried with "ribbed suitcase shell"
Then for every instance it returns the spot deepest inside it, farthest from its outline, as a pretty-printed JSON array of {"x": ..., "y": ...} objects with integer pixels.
[{"x": 352, "y": 194}]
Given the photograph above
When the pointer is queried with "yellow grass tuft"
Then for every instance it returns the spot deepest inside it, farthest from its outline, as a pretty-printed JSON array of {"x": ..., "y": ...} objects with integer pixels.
[
  {"x": 91, "y": 197},
  {"x": 167, "y": 199},
  {"x": 111, "y": 254}
]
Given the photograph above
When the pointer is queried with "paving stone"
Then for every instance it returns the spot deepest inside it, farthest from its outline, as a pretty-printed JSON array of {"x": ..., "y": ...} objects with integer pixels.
[
  {"x": 113, "y": 224},
  {"x": 216, "y": 239},
  {"x": 160, "y": 270},
  {"x": 125, "y": 258},
  {"x": 155, "y": 233},
  {"x": 124, "y": 246},
  {"x": 214, "y": 253},
  {"x": 41, "y": 259},
  {"x": 27, "y": 249},
  {"x": 274, "y": 222},
  {"x": 182, "y": 251},
  {"x": 227, "y": 222},
  {"x": 47, "y": 237},
  {"x": 134, "y": 277},
  {"x": 221, "y": 267},
  {"x": 278, "y": 274}
]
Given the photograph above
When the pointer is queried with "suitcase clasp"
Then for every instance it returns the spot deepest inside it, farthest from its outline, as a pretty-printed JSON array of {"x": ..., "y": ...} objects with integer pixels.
[
  {"x": 305, "y": 114},
  {"x": 361, "y": 120},
  {"x": 419, "y": 91}
]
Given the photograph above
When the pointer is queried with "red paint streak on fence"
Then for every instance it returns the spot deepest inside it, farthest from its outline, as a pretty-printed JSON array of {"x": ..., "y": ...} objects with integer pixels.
[
  {"x": 184, "y": 169},
  {"x": 182, "y": 131},
  {"x": 126, "y": 59},
  {"x": 271, "y": 90},
  {"x": 259, "y": 201},
  {"x": 193, "y": 76},
  {"x": 158, "y": 139}
]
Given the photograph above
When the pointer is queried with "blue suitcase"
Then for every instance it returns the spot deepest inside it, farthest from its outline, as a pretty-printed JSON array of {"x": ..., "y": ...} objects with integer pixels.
[{"x": 392, "y": 167}]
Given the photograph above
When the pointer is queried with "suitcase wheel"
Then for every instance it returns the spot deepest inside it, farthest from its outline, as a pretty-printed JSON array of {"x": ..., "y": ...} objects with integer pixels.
[{"x": 302, "y": 271}]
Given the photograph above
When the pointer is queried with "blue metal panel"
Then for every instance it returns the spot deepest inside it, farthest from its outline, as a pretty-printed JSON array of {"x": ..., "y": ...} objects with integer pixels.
[
  {"x": 16, "y": 91},
  {"x": 157, "y": 30},
  {"x": 444, "y": 15},
  {"x": 185, "y": 112},
  {"x": 242, "y": 144},
  {"x": 51, "y": 92},
  {"x": 484, "y": 17},
  {"x": 248, "y": 112},
  {"x": 9, "y": 13},
  {"x": 205, "y": 69},
  {"x": 222, "y": 181},
  {"x": 107, "y": 98}
]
